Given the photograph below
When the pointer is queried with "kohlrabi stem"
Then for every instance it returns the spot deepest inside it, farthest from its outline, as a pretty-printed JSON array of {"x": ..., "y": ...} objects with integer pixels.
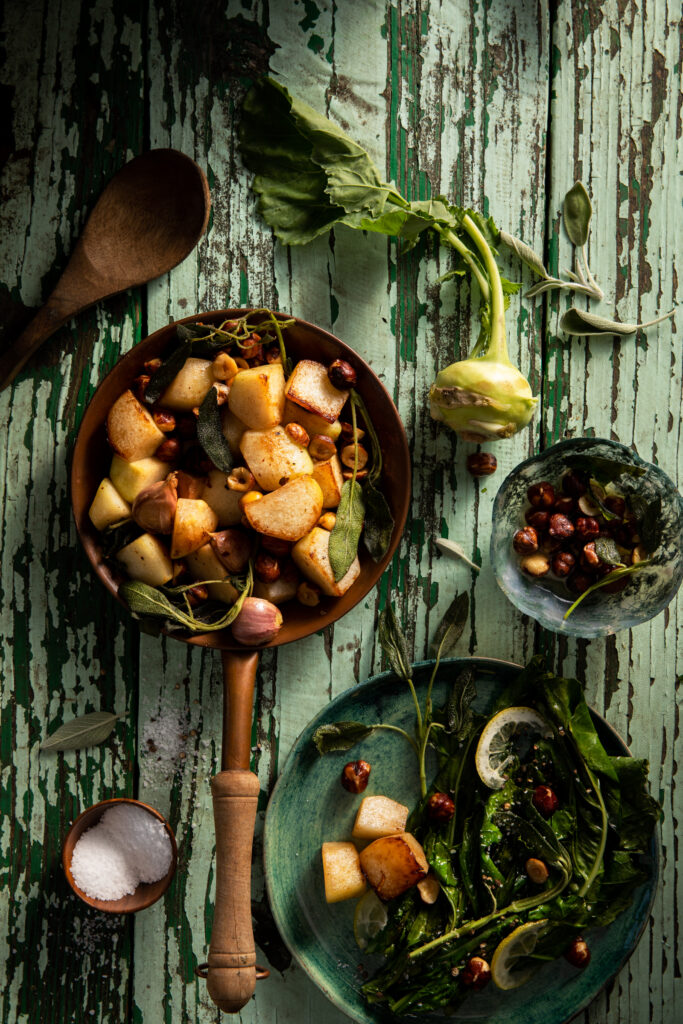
[
  {"x": 452, "y": 239},
  {"x": 497, "y": 350}
]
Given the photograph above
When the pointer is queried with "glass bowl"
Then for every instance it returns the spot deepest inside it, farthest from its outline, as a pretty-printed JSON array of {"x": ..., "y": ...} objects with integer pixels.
[{"x": 546, "y": 599}]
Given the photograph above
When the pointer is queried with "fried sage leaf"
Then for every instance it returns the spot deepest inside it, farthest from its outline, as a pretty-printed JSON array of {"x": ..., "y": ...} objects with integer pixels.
[
  {"x": 347, "y": 529},
  {"x": 379, "y": 522},
  {"x": 149, "y": 602},
  {"x": 169, "y": 368},
  {"x": 210, "y": 433},
  {"x": 581, "y": 324},
  {"x": 340, "y": 736},
  {"x": 85, "y": 731},
  {"x": 608, "y": 552}
]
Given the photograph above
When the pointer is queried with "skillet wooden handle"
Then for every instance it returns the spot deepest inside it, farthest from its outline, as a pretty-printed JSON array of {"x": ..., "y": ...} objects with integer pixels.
[{"x": 231, "y": 977}]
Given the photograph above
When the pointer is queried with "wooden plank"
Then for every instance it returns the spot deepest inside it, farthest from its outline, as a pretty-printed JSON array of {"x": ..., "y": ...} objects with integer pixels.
[
  {"x": 613, "y": 124},
  {"x": 65, "y": 648}
]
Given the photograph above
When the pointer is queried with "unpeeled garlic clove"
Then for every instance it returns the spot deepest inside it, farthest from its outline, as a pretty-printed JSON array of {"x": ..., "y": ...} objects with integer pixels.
[
  {"x": 154, "y": 508},
  {"x": 258, "y": 622}
]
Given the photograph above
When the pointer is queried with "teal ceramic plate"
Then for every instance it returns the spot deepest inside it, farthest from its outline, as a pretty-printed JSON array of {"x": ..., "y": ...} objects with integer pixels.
[{"x": 308, "y": 806}]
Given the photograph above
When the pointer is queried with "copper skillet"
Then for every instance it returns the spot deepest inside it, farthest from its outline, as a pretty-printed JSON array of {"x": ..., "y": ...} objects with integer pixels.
[{"x": 231, "y": 975}]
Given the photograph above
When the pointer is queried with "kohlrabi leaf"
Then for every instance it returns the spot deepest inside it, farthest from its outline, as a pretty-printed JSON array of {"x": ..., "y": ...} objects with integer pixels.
[{"x": 577, "y": 212}]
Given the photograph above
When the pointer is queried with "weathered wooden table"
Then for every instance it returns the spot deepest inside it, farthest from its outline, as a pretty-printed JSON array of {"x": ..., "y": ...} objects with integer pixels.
[{"x": 501, "y": 105}]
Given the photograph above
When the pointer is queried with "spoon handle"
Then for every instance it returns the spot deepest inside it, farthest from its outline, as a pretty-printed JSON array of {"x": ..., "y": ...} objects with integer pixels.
[{"x": 45, "y": 323}]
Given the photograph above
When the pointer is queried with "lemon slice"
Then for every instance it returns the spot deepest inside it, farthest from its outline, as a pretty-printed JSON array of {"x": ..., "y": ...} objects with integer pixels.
[
  {"x": 493, "y": 754},
  {"x": 521, "y": 942},
  {"x": 369, "y": 919}
]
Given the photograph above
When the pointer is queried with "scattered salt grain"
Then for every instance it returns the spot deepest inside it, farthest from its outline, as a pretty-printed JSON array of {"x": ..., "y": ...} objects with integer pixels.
[{"x": 127, "y": 846}]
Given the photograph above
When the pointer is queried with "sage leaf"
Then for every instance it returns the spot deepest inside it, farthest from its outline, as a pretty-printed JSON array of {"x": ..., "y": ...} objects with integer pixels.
[
  {"x": 394, "y": 644},
  {"x": 577, "y": 212},
  {"x": 161, "y": 379},
  {"x": 85, "y": 731},
  {"x": 579, "y": 323},
  {"x": 458, "y": 707},
  {"x": 150, "y": 602},
  {"x": 647, "y": 510},
  {"x": 525, "y": 253},
  {"x": 544, "y": 286},
  {"x": 339, "y": 736},
  {"x": 611, "y": 577},
  {"x": 453, "y": 623},
  {"x": 210, "y": 433},
  {"x": 608, "y": 552},
  {"x": 455, "y": 550},
  {"x": 347, "y": 529},
  {"x": 379, "y": 522},
  {"x": 604, "y": 470}
]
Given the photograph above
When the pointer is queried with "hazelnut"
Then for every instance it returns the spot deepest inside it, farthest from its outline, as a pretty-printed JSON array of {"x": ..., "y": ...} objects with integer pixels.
[
  {"x": 562, "y": 563},
  {"x": 536, "y": 870},
  {"x": 241, "y": 479},
  {"x": 342, "y": 375},
  {"x": 354, "y": 453},
  {"x": 327, "y": 521},
  {"x": 565, "y": 506},
  {"x": 152, "y": 365},
  {"x": 587, "y": 528},
  {"x": 266, "y": 567},
  {"x": 476, "y": 973},
  {"x": 560, "y": 527},
  {"x": 616, "y": 505},
  {"x": 573, "y": 484},
  {"x": 481, "y": 464},
  {"x": 577, "y": 582},
  {"x": 360, "y": 474},
  {"x": 273, "y": 354},
  {"x": 440, "y": 807},
  {"x": 164, "y": 420},
  {"x": 186, "y": 426},
  {"x": 545, "y": 801},
  {"x": 297, "y": 433},
  {"x": 355, "y": 775},
  {"x": 321, "y": 447},
  {"x": 249, "y": 498},
  {"x": 525, "y": 541},
  {"x": 195, "y": 595},
  {"x": 276, "y": 546},
  {"x": 535, "y": 565},
  {"x": 224, "y": 367},
  {"x": 242, "y": 364},
  {"x": 308, "y": 594},
  {"x": 537, "y": 518},
  {"x": 541, "y": 495},
  {"x": 347, "y": 433},
  {"x": 253, "y": 349},
  {"x": 168, "y": 450},
  {"x": 639, "y": 554},
  {"x": 139, "y": 386},
  {"x": 578, "y": 954},
  {"x": 589, "y": 556}
]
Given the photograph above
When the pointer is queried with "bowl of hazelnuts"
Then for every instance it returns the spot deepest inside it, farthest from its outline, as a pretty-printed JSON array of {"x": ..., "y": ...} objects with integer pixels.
[{"x": 587, "y": 538}]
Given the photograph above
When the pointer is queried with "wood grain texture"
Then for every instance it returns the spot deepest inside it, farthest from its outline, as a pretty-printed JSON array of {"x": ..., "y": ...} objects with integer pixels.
[{"x": 499, "y": 105}]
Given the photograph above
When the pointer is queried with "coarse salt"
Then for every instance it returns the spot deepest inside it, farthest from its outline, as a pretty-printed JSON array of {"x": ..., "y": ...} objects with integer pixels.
[{"x": 127, "y": 846}]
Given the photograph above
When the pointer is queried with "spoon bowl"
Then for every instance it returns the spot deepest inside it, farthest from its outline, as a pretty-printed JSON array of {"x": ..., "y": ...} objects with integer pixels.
[{"x": 149, "y": 217}]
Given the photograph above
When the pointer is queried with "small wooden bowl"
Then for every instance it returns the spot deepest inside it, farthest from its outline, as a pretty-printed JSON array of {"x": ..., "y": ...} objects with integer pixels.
[{"x": 146, "y": 893}]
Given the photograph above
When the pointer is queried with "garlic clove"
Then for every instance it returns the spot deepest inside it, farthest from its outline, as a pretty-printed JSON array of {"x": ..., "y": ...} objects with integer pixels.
[
  {"x": 258, "y": 622},
  {"x": 154, "y": 508},
  {"x": 233, "y": 547}
]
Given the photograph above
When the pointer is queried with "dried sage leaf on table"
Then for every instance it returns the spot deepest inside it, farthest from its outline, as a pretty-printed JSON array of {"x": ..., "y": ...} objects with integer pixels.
[
  {"x": 85, "y": 731},
  {"x": 584, "y": 325},
  {"x": 394, "y": 644},
  {"x": 577, "y": 212},
  {"x": 340, "y": 736},
  {"x": 526, "y": 255},
  {"x": 347, "y": 529},
  {"x": 455, "y": 550},
  {"x": 379, "y": 522},
  {"x": 210, "y": 433},
  {"x": 452, "y": 625}
]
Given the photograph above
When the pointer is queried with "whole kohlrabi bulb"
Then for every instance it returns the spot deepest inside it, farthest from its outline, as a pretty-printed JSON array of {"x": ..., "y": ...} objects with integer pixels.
[{"x": 482, "y": 399}]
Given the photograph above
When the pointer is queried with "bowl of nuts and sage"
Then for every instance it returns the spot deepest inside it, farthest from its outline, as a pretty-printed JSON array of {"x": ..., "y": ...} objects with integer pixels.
[{"x": 587, "y": 538}]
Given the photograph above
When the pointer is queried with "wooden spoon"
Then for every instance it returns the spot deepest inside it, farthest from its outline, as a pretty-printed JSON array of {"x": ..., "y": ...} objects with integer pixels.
[{"x": 149, "y": 217}]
